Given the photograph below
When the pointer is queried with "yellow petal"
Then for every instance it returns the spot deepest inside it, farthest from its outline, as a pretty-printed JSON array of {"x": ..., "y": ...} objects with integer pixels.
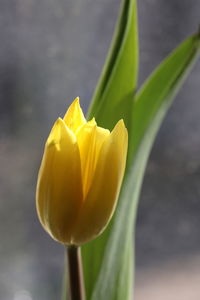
[
  {"x": 74, "y": 117},
  {"x": 102, "y": 197},
  {"x": 90, "y": 138},
  {"x": 59, "y": 188}
]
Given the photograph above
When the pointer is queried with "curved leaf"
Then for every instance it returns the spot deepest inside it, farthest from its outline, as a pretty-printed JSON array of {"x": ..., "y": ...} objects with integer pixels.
[
  {"x": 119, "y": 76},
  {"x": 112, "y": 101},
  {"x": 150, "y": 107}
]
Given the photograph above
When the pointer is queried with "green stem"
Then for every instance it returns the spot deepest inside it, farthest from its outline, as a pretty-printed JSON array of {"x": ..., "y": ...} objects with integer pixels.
[{"x": 75, "y": 272}]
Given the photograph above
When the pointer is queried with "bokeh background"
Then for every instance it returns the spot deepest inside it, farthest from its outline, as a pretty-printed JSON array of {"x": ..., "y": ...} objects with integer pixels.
[{"x": 52, "y": 51}]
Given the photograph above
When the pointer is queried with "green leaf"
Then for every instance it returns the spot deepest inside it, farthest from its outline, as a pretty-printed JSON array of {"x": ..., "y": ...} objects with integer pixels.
[
  {"x": 116, "y": 87},
  {"x": 111, "y": 253},
  {"x": 161, "y": 87},
  {"x": 119, "y": 76},
  {"x": 150, "y": 107}
]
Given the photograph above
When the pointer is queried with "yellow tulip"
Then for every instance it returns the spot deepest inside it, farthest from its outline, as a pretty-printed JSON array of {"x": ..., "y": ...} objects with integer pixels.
[{"x": 80, "y": 177}]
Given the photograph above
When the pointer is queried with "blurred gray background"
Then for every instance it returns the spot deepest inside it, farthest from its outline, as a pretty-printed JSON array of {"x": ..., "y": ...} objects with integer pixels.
[{"x": 52, "y": 51}]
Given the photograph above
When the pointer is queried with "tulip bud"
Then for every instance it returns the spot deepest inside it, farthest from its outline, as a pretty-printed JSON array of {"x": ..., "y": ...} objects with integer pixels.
[{"x": 80, "y": 177}]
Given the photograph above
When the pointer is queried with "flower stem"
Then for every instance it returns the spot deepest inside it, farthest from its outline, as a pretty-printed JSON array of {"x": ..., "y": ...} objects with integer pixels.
[{"x": 75, "y": 271}]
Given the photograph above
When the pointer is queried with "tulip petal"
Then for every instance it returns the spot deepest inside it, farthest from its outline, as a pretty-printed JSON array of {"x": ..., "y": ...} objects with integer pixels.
[
  {"x": 59, "y": 189},
  {"x": 90, "y": 138},
  {"x": 74, "y": 116},
  {"x": 102, "y": 197}
]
